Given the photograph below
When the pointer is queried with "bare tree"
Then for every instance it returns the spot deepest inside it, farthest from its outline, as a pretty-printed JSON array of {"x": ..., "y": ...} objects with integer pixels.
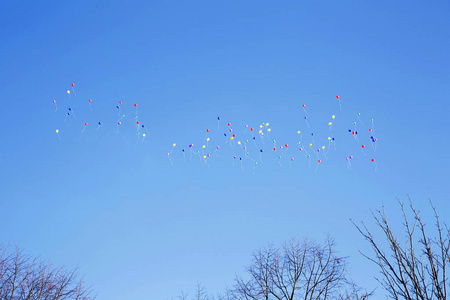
[
  {"x": 299, "y": 270},
  {"x": 417, "y": 266},
  {"x": 25, "y": 278}
]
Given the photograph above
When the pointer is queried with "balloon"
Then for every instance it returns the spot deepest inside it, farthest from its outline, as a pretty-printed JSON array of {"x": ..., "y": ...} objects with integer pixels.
[
  {"x": 286, "y": 145},
  {"x": 333, "y": 116},
  {"x": 68, "y": 92},
  {"x": 174, "y": 144},
  {"x": 304, "y": 105},
  {"x": 57, "y": 131},
  {"x": 337, "y": 96},
  {"x": 73, "y": 84},
  {"x": 120, "y": 102},
  {"x": 218, "y": 118},
  {"x": 251, "y": 129},
  {"x": 135, "y": 105},
  {"x": 85, "y": 124},
  {"x": 329, "y": 123},
  {"x": 310, "y": 145},
  {"x": 231, "y": 138},
  {"x": 362, "y": 146},
  {"x": 239, "y": 142},
  {"x": 267, "y": 124},
  {"x": 90, "y": 100},
  {"x": 203, "y": 146},
  {"x": 298, "y": 132},
  {"x": 261, "y": 150},
  {"x": 274, "y": 149},
  {"x": 319, "y": 161},
  {"x": 119, "y": 123},
  {"x": 144, "y": 136},
  {"x": 137, "y": 123},
  {"x": 229, "y": 124},
  {"x": 207, "y": 139},
  {"x": 372, "y": 159},
  {"x": 234, "y": 135},
  {"x": 207, "y": 130}
]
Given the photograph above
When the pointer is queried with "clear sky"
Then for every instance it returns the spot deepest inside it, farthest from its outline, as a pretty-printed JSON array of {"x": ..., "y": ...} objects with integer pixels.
[{"x": 142, "y": 228}]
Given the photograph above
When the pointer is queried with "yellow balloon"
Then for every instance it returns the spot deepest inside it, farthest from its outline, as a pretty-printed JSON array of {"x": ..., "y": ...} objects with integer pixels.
[
  {"x": 231, "y": 138},
  {"x": 269, "y": 130},
  {"x": 267, "y": 124},
  {"x": 298, "y": 132},
  {"x": 333, "y": 117},
  {"x": 207, "y": 139},
  {"x": 174, "y": 144},
  {"x": 260, "y": 126},
  {"x": 204, "y": 156},
  {"x": 323, "y": 147},
  {"x": 203, "y": 146},
  {"x": 329, "y": 138},
  {"x": 57, "y": 130},
  {"x": 330, "y": 123},
  {"x": 239, "y": 142},
  {"x": 68, "y": 92},
  {"x": 260, "y": 131},
  {"x": 143, "y": 135},
  {"x": 310, "y": 145}
]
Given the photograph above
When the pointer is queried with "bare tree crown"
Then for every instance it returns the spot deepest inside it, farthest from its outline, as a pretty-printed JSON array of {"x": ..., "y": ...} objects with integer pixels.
[
  {"x": 25, "y": 278},
  {"x": 415, "y": 267}
]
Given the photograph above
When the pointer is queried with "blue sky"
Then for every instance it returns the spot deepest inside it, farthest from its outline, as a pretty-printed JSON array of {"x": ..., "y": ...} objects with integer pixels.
[{"x": 140, "y": 227}]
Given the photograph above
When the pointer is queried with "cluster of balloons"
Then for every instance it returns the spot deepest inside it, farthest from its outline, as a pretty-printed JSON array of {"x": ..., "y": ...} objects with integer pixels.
[
  {"x": 253, "y": 144},
  {"x": 81, "y": 105}
]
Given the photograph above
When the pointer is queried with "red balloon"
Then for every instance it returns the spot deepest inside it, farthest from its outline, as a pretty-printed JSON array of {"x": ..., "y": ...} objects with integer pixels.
[
  {"x": 362, "y": 146},
  {"x": 73, "y": 84},
  {"x": 90, "y": 100},
  {"x": 303, "y": 105},
  {"x": 274, "y": 149},
  {"x": 319, "y": 161},
  {"x": 353, "y": 132},
  {"x": 251, "y": 129},
  {"x": 137, "y": 123},
  {"x": 135, "y": 105},
  {"x": 370, "y": 129},
  {"x": 120, "y": 102},
  {"x": 229, "y": 124},
  {"x": 234, "y": 135},
  {"x": 337, "y": 97},
  {"x": 207, "y": 130},
  {"x": 286, "y": 145},
  {"x": 85, "y": 124},
  {"x": 373, "y": 159}
]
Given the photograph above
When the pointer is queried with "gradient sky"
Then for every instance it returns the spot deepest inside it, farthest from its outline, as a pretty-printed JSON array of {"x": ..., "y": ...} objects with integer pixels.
[{"x": 141, "y": 228}]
